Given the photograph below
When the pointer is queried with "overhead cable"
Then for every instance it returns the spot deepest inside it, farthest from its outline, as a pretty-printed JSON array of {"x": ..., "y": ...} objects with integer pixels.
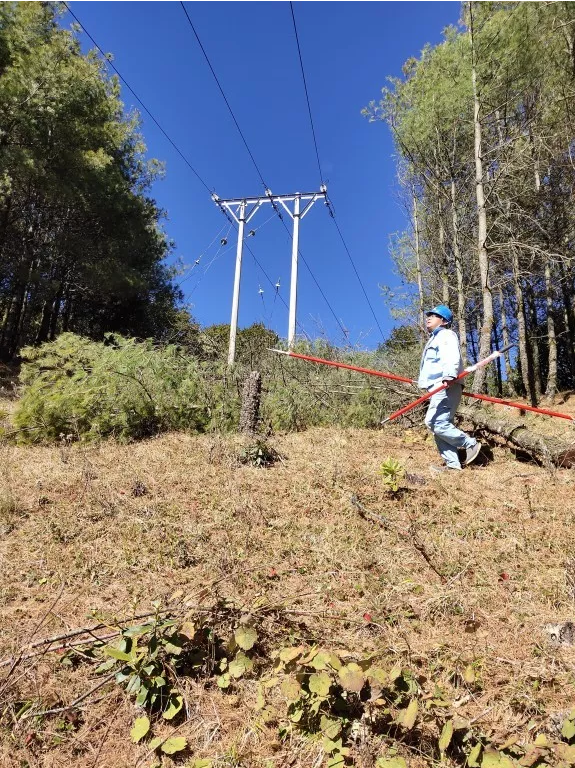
[
  {"x": 256, "y": 165},
  {"x": 144, "y": 107},
  {"x": 306, "y": 92},
  {"x": 223, "y": 95},
  {"x": 329, "y": 205}
]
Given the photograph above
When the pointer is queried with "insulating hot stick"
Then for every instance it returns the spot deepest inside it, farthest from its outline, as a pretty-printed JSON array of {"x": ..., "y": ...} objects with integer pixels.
[
  {"x": 405, "y": 380},
  {"x": 471, "y": 369}
]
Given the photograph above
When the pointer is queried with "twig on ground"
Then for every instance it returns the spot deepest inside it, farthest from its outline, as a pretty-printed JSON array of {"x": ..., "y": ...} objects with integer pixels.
[
  {"x": 367, "y": 513},
  {"x": 61, "y": 647},
  {"x": 107, "y": 731},
  {"x": 17, "y": 659},
  {"x": 410, "y": 534},
  {"x": 73, "y": 705},
  {"x": 420, "y": 547}
]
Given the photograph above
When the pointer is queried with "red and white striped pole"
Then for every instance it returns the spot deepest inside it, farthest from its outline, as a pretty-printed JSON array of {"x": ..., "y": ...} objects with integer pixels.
[
  {"x": 405, "y": 380},
  {"x": 336, "y": 364},
  {"x": 521, "y": 406},
  {"x": 466, "y": 372}
]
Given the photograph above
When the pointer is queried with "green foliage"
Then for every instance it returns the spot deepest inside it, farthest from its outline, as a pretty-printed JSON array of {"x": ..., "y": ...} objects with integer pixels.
[
  {"x": 392, "y": 471},
  {"x": 299, "y": 395},
  {"x": 259, "y": 454},
  {"x": 309, "y": 691},
  {"x": 326, "y": 696},
  {"x": 81, "y": 239},
  {"x": 75, "y": 388},
  {"x": 123, "y": 388},
  {"x": 148, "y": 658},
  {"x": 568, "y": 727}
]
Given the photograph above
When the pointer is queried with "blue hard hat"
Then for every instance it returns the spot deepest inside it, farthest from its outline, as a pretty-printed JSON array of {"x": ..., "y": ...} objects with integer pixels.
[{"x": 442, "y": 311}]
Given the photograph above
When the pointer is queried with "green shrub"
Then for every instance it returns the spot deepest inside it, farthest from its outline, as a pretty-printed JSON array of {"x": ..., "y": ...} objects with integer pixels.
[
  {"x": 74, "y": 388},
  {"x": 122, "y": 388}
]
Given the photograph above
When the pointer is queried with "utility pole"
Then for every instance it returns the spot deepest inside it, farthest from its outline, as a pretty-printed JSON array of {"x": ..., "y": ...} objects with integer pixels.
[{"x": 242, "y": 210}]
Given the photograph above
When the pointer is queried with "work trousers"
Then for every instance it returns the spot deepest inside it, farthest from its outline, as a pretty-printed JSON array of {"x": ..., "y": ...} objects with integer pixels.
[{"x": 439, "y": 419}]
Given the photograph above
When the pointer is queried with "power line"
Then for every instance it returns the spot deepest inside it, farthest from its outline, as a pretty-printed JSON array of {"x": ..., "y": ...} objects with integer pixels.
[
  {"x": 330, "y": 206},
  {"x": 337, "y": 320},
  {"x": 332, "y": 214},
  {"x": 203, "y": 253},
  {"x": 174, "y": 145},
  {"x": 184, "y": 158},
  {"x": 144, "y": 107},
  {"x": 220, "y": 252},
  {"x": 256, "y": 166},
  {"x": 306, "y": 92},
  {"x": 223, "y": 95},
  {"x": 273, "y": 286}
]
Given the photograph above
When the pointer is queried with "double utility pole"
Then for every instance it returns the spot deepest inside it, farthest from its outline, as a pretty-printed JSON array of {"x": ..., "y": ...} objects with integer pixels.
[{"x": 243, "y": 210}]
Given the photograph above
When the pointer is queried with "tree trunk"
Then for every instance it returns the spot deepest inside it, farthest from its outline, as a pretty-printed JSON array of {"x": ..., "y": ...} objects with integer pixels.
[
  {"x": 443, "y": 256},
  {"x": 527, "y": 378},
  {"x": 505, "y": 337},
  {"x": 569, "y": 320},
  {"x": 67, "y": 314},
  {"x": 421, "y": 316},
  {"x": 498, "y": 363},
  {"x": 534, "y": 342},
  {"x": 44, "y": 328},
  {"x": 551, "y": 389},
  {"x": 547, "y": 450},
  {"x": 474, "y": 351},
  {"x": 482, "y": 254},
  {"x": 461, "y": 319}
]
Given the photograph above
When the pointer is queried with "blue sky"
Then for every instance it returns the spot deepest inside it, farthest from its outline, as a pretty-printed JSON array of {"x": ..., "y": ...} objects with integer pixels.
[{"x": 348, "y": 51}]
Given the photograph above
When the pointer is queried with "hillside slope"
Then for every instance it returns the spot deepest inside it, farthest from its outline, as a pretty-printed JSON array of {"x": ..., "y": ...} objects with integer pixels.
[{"x": 471, "y": 568}]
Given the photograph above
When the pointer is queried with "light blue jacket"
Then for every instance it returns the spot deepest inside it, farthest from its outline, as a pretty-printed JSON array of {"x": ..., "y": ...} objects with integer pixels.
[{"x": 441, "y": 358}]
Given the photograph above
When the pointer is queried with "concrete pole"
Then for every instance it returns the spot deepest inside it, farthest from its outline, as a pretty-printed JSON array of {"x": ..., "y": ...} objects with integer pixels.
[
  {"x": 236, "y": 297},
  {"x": 293, "y": 284}
]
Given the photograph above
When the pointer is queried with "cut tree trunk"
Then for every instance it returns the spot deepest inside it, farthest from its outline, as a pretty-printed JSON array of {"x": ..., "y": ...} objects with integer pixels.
[
  {"x": 545, "y": 449},
  {"x": 250, "y": 413}
]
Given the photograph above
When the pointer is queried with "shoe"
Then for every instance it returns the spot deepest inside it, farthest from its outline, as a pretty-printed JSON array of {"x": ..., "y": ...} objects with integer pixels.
[
  {"x": 472, "y": 453},
  {"x": 443, "y": 468}
]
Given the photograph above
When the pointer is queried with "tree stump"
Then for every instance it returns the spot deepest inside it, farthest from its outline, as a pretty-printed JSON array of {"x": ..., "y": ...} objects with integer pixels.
[{"x": 251, "y": 398}]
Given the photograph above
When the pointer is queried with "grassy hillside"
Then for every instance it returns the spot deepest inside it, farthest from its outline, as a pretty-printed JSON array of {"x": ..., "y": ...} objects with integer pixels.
[{"x": 455, "y": 591}]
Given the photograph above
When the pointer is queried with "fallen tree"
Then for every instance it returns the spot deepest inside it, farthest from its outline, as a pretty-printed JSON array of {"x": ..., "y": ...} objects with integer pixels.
[{"x": 547, "y": 450}]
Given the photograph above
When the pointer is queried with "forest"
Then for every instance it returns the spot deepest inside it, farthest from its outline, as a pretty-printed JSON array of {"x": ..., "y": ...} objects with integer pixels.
[
  {"x": 483, "y": 129},
  {"x": 82, "y": 244}
]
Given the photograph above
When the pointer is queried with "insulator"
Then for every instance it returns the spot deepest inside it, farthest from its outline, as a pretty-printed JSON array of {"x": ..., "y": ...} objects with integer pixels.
[{"x": 251, "y": 233}]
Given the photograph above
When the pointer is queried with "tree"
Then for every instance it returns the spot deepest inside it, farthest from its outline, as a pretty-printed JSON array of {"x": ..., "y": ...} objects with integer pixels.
[
  {"x": 81, "y": 243},
  {"x": 483, "y": 127}
]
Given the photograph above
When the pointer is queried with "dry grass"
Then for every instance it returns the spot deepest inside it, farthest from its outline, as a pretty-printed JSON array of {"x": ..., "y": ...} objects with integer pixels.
[{"x": 76, "y": 536}]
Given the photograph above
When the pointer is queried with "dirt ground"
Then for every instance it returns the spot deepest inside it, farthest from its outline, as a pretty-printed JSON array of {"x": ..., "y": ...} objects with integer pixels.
[{"x": 470, "y": 569}]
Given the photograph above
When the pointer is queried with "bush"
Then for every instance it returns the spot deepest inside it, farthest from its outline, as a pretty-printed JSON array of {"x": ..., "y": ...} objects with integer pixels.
[
  {"x": 75, "y": 388},
  {"x": 121, "y": 388}
]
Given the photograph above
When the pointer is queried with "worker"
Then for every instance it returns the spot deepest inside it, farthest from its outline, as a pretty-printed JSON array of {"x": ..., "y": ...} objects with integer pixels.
[{"x": 440, "y": 364}]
